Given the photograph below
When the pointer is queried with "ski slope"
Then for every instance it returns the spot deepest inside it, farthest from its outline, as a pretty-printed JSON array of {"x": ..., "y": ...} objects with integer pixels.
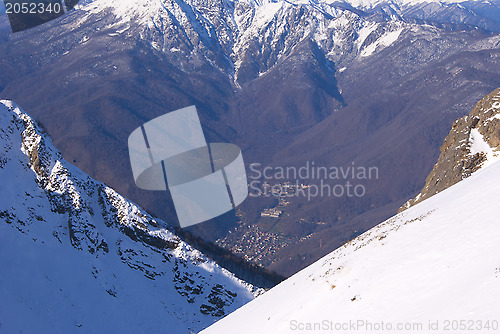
[{"x": 434, "y": 268}]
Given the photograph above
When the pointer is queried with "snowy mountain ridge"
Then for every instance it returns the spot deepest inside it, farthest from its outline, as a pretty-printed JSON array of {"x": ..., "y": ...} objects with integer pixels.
[
  {"x": 78, "y": 256},
  {"x": 259, "y": 34}
]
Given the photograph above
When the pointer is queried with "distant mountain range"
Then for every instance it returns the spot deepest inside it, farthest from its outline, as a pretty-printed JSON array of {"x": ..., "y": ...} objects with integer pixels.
[{"x": 335, "y": 83}]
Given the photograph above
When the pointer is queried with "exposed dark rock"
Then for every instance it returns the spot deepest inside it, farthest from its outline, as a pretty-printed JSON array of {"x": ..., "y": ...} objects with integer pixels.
[{"x": 457, "y": 160}]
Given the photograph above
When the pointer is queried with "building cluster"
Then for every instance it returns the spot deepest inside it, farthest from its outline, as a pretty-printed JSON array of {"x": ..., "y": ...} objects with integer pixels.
[{"x": 283, "y": 191}]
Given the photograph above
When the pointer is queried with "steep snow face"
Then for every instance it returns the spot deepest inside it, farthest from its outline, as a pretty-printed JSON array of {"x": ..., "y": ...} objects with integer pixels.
[
  {"x": 78, "y": 257},
  {"x": 437, "y": 261},
  {"x": 478, "y": 145},
  {"x": 384, "y": 41}
]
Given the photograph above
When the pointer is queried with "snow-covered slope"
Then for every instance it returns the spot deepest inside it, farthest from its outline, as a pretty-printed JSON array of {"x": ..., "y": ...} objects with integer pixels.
[
  {"x": 75, "y": 256},
  {"x": 437, "y": 261}
]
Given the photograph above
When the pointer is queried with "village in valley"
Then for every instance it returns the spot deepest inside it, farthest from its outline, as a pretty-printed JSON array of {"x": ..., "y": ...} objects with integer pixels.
[{"x": 258, "y": 243}]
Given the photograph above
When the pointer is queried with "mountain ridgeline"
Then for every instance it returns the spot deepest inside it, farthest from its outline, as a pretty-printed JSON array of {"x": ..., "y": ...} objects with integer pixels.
[{"x": 76, "y": 255}]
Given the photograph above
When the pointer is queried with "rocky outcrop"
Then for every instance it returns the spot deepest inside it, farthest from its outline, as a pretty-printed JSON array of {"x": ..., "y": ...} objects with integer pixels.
[{"x": 473, "y": 141}]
